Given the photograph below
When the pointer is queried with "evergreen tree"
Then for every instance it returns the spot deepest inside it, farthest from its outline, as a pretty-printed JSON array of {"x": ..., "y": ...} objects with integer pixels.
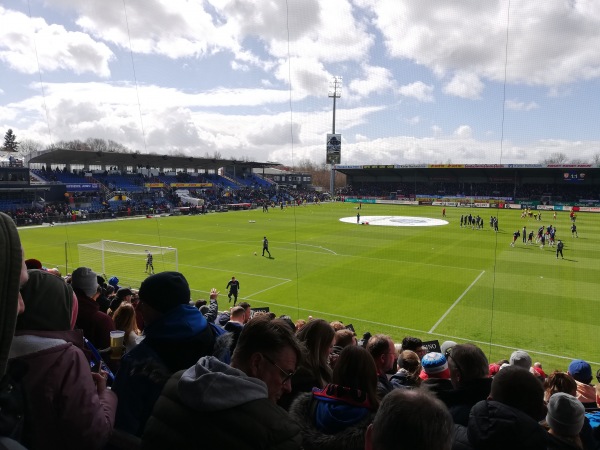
[{"x": 10, "y": 141}]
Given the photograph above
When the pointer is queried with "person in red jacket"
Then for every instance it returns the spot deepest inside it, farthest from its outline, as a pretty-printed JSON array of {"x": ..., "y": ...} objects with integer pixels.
[
  {"x": 69, "y": 407},
  {"x": 95, "y": 324}
]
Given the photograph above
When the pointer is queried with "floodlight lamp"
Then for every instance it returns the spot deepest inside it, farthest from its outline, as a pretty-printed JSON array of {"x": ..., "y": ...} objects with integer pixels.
[{"x": 335, "y": 87}]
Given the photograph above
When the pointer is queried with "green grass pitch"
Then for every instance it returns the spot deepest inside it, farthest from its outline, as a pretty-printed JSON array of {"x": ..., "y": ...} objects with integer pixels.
[{"x": 442, "y": 282}]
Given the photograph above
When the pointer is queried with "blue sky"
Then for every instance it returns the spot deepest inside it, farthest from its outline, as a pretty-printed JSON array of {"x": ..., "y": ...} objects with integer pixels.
[{"x": 460, "y": 81}]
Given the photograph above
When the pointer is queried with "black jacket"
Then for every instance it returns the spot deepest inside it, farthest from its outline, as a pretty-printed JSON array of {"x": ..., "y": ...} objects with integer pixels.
[
  {"x": 496, "y": 426},
  {"x": 460, "y": 401}
]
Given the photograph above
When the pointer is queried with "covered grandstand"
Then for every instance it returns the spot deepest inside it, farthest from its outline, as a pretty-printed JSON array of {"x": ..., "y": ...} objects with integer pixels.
[
  {"x": 532, "y": 184},
  {"x": 68, "y": 185}
]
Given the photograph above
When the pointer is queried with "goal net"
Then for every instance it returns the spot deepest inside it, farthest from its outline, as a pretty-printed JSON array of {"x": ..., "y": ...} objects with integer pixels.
[{"x": 125, "y": 260}]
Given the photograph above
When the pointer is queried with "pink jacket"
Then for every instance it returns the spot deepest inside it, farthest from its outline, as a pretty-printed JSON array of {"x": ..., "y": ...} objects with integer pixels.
[{"x": 65, "y": 410}]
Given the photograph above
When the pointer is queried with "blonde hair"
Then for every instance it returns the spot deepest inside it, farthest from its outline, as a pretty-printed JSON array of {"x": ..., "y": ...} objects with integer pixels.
[{"x": 124, "y": 319}]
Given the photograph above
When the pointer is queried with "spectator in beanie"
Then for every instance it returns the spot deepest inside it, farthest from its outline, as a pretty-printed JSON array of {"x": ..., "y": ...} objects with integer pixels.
[
  {"x": 565, "y": 420},
  {"x": 176, "y": 336},
  {"x": 435, "y": 373},
  {"x": 95, "y": 324}
]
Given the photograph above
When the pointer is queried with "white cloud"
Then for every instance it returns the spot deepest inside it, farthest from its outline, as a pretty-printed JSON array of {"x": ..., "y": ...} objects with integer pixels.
[
  {"x": 28, "y": 45},
  {"x": 376, "y": 80},
  {"x": 549, "y": 44},
  {"x": 465, "y": 85},
  {"x": 521, "y": 106},
  {"x": 418, "y": 90},
  {"x": 464, "y": 131}
]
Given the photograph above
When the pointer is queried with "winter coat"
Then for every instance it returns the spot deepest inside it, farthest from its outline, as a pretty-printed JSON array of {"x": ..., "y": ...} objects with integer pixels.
[
  {"x": 64, "y": 408},
  {"x": 173, "y": 342},
  {"x": 233, "y": 410},
  {"x": 460, "y": 401},
  {"x": 342, "y": 426},
  {"x": 95, "y": 324},
  {"x": 496, "y": 426}
]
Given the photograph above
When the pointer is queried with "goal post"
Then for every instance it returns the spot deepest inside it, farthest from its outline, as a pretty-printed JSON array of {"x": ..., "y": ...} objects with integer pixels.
[{"x": 126, "y": 260}]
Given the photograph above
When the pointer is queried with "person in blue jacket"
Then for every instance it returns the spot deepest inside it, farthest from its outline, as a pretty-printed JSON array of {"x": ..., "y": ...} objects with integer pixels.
[{"x": 176, "y": 335}]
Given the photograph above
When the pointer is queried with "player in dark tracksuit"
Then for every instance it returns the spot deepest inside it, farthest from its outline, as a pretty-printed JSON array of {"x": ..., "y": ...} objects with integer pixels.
[
  {"x": 266, "y": 247},
  {"x": 559, "y": 249},
  {"x": 149, "y": 263},
  {"x": 234, "y": 287}
]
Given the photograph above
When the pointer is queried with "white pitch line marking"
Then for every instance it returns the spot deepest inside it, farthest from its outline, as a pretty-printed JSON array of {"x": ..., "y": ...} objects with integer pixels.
[
  {"x": 456, "y": 302},
  {"x": 241, "y": 273},
  {"x": 421, "y": 332}
]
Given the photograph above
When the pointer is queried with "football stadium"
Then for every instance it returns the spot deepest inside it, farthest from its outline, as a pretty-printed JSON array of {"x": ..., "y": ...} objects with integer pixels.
[
  {"x": 390, "y": 254},
  {"x": 300, "y": 225}
]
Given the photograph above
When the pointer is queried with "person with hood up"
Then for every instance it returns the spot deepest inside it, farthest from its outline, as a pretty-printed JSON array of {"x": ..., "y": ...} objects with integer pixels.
[{"x": 69, "y": 407}]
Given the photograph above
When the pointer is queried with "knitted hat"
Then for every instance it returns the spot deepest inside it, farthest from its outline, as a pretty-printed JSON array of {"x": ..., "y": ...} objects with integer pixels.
[
  {"x": 86, "y": 280},
  {"x": 32, "y": 263},
  {"x": 164, "y": 291},
  {"x": 565, "y": 414},
  {"x": 113, "y": 281},
  {"x": 447, "y": 347},
  {"x": 435, "y": 365},
  {"x": 520, "y": 358},
  {"x": 48, "y": 303},
  {"x": 124, "y": 292},
  {"x": 494, "y": 369},
  {"x": 581, "y": 371}
]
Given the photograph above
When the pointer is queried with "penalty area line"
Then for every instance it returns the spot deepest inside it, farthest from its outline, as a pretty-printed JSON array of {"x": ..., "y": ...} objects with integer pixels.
[{"x": 456, "y": 302}]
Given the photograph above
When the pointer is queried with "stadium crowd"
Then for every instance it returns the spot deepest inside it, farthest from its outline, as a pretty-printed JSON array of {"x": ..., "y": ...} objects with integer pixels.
[
  {"x": 88, "y": 363},
  {"x": 526, "y": 192}
]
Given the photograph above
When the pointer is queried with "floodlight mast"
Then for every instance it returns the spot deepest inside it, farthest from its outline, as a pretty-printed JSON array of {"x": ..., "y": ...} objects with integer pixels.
[{"x": 335, "y": 91}]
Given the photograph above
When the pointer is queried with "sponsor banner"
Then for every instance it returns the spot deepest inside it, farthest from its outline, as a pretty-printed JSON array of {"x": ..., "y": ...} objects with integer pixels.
[
  {"x": 485, "y": 166},
  {"x": 360, "y": 200},
  {"x": 514, "y": 206},
  {"x": 411, "y": 166},
  {"x": 154, "y": 185},
  {"x": 589, "y": 209},
  {"x": 425, "y": 203},
  {"x": 525, "y": 166},
  {"x": 334, "y": 148},
  {"x": 546, "y": 207},
  {"x": 481, "y": 205},
  {"x": 191, "y": 185},
  {"x": 432, "y": 346},
  {"x": 397, "y": 202},
  {"x": 340, "y": 166},
  {"x": 446, "y": 166},
  {"x": 82, "y": 186},
  {"x": 569, "y": 166},
  {"x": 445, "y": 203},
  {"x": 380, "y": 166}
]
